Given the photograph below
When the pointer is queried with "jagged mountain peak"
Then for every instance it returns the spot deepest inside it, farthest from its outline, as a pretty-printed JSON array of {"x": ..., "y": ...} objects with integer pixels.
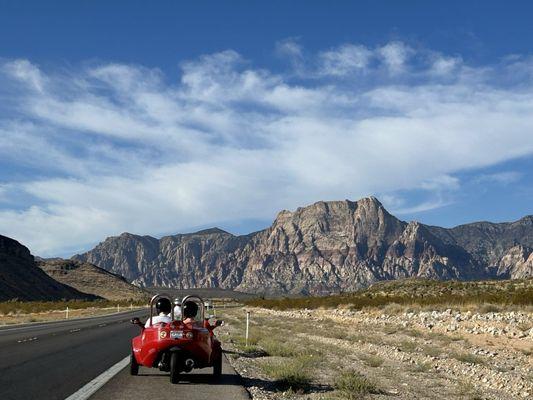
[{"x": 325, "y": 209}]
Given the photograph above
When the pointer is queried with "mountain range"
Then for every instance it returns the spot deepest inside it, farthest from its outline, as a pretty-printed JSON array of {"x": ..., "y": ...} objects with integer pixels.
[{"x": 322, "y": 248}]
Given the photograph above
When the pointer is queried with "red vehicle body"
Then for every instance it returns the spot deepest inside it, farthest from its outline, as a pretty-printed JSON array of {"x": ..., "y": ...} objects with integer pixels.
[{"x": 177, "y": 347}]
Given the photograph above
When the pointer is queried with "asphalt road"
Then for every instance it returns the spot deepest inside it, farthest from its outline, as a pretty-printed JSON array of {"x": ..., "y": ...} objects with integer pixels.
[
  {"x": 54, "y": 360},
  {"x": 154, "y": 384}
]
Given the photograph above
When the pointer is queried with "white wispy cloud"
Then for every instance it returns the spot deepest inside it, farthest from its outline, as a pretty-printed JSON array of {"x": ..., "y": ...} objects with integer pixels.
[
  {"x": 344, "y": 60},
  {"x": 121, "y": 148},
  {"x": 504, "y": 178}
]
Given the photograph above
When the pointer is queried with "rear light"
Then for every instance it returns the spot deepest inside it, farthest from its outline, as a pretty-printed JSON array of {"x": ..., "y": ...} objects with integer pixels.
[{"x": 189, "y": 335}]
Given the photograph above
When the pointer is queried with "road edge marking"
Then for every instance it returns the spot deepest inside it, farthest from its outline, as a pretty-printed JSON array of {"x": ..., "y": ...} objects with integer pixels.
[{"x": 90, "y": 388}]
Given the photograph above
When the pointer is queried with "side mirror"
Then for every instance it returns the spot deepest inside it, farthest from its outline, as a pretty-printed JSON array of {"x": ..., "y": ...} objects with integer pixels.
[
  {"x": 219, "y": 322},
  {"x": 136, "y": 321}
]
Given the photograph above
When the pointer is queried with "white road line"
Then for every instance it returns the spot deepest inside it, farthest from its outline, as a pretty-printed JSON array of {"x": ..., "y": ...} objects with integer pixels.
[{"x": 89, "y": 389}]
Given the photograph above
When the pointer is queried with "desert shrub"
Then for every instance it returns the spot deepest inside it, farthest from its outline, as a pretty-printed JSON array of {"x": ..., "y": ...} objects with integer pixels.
[
  {"x": 291, "y": 374},
  {"x": 408, "y": 346},
  {"x": 353, "y": 385}
]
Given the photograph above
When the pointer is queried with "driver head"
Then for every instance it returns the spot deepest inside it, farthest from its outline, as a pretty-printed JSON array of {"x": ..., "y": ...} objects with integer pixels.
[
  {"x": 163, "y": 305},
  {"x": 189, "y": 309}
]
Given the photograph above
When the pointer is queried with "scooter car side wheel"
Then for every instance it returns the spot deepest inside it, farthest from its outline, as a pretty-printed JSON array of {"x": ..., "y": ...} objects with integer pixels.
[
  {"x": 217, "y": 366},
  {"x": 174, "y": 368},
  {"x": 134, "y": 367}
]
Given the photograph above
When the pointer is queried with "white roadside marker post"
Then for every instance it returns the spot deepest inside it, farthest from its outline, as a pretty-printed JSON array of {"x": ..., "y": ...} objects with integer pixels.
[
  {"x": 118, "y": 307},
  {"x": 66, "y": 313},
  {"x": 131, "y": 306},
  {"x": 247, "y": 326}
]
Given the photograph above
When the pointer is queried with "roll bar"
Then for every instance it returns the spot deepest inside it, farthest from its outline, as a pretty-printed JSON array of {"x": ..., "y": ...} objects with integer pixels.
[
  {"x": 154, "y": 299},
  {"x": 196, "y": 299}
]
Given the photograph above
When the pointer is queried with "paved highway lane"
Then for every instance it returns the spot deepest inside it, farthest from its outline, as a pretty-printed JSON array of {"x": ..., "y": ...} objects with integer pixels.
[
  {"x": 154, "y": 384},
  {"x": 53, "y": 360}
]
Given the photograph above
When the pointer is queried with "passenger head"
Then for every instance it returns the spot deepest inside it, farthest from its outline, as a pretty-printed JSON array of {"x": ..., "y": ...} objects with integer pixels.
[
  {"x": 163, "y": 305},
  {"x": 189, "y": 309}
]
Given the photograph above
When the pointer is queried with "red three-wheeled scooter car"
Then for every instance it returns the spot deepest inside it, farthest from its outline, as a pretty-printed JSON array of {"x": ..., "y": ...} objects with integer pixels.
[{"x": 178, "y": 345}]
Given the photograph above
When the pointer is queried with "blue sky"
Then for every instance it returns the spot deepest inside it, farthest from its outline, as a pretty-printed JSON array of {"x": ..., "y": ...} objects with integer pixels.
[{"x": 167, "y": 117}]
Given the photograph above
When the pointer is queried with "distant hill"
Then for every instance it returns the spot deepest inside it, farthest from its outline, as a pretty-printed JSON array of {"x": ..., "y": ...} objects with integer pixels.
[
  {"x": 323, "y": 248},
  {"x": 89, "y": 278},
  {"x": 21, "y": 279}
]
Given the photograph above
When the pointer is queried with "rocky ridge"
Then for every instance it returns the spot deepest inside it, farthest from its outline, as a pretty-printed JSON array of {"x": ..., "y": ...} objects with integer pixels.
[{"x": 322, "y": 248}]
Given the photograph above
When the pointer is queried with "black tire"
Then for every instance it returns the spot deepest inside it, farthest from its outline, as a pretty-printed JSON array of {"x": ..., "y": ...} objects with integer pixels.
[
  {"x": 217, "y": 366},
  {"x": 134, "y": 367},
  {"x": 174, "y": 368}
]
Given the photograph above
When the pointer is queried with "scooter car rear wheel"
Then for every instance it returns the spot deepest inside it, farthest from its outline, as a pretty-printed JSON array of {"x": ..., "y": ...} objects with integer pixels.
[{"x": 174, "y": 368}]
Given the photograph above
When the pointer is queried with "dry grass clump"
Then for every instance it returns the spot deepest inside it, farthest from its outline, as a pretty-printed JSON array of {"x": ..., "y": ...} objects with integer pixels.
[
  {"x": 293, "y": 373},
  {"x": 252, "y": 349},
  {"x": 395, "y": 296},
  {"x": 353, "y": 385},
  {"x": 408, "y": 346},
  {"x": 278, "y": 348},
  {"x": 467, "y": 358},
  {"x": 432, "y": 351},
  {"x": 488, "y": 308},
  {"x": 371, "y": 360},
  {"x": 421, "y": 367}
]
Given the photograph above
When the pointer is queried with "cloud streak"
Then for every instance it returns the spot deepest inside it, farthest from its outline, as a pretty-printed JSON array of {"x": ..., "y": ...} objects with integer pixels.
[{"x": 115, "y": 147}]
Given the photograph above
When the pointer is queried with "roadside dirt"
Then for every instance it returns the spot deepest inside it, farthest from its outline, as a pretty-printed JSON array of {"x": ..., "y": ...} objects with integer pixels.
[{"x": 417, "y": 355}]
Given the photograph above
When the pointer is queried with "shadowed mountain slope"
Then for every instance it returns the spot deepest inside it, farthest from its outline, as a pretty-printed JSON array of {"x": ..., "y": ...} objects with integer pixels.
[{"x": 21, "y": 279}]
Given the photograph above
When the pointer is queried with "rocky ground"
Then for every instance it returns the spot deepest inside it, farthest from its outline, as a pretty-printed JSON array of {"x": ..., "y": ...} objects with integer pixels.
[{"x": 344, "y": 354}]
